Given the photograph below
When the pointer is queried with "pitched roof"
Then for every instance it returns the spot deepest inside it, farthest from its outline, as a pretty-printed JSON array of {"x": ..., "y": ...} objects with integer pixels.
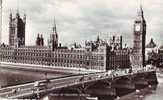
[{"x": 151, "y": 44}]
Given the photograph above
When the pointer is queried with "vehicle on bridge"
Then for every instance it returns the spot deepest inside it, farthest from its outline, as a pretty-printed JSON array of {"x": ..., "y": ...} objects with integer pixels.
[{"x": 41, "y": 84}]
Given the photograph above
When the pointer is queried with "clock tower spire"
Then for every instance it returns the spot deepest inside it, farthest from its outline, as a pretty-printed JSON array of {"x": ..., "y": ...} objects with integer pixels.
[{"x": 139, "y": 39}]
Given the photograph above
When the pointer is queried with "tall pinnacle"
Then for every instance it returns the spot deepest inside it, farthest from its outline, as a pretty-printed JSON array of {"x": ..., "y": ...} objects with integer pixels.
[
  {"x": 140, "y": 12},
  {"x": 54, "y": 26},
  {"x": 17, "y": 13}
]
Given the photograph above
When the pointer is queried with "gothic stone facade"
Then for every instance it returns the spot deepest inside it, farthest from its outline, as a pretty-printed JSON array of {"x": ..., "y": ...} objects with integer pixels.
[
  {"x": 57, "y": 57},
  {"x": 17, "y": 30},
  {"x": 138, "y": 54}
]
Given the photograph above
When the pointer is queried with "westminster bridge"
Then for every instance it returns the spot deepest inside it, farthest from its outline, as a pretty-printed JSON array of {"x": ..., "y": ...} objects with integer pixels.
[{"x": 93, "y": 83}]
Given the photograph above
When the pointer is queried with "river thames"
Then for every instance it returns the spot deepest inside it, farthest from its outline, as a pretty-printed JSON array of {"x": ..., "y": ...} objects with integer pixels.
[
  {"x": 9, "y": 77},
  {"x": 149, "y": 93}
]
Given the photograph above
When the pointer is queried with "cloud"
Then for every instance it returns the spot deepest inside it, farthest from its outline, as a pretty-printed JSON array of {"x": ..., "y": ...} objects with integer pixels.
[{"x": 80, "y": 20}]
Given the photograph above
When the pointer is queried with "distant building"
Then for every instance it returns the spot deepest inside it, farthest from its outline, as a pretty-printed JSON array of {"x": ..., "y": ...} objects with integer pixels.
[
  {"x": 152, "y": 53},
  {"x": 17, "y": 30},
  {"x": 151, "y": 47}
]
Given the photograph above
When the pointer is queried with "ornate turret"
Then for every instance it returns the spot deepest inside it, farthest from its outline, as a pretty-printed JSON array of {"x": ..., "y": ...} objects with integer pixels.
[
  {"x": 24, "y": 18},
  {"x": 98, "y": 39},
  {"x": 10, "y": 16},
  {"x": 151, "y": 44},
  {"x": 17, "y": 14},
  {"x": 53, "y": 41},
  {"x": 39, "y": 40}
]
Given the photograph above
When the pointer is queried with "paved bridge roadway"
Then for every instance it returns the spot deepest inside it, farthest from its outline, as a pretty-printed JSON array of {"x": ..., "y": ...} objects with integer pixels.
[
  {"x": 44, "y": 68},
  {"x": 52, "y": 84}
]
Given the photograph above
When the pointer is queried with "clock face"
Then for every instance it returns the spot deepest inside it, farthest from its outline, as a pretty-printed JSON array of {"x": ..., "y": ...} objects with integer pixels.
[{"x": 137, "y": 27}]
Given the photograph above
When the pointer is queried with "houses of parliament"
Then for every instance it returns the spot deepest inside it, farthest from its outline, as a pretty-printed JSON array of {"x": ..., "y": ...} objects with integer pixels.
[{"x": 95, "y": 55}]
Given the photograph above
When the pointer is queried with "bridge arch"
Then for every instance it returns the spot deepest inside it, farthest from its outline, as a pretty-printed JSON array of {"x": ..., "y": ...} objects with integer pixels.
[{"x": 120, "y": 79}]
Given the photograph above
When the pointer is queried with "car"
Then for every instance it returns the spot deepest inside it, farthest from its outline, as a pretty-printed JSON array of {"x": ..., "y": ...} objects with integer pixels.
[
  {"x": 19, "y": 89},
  {"x": 41, "y": 84},
  {"x": 14, "y": 90},
  {"x": 100, "y": 76},
  {"x": 82, "y": 78}
]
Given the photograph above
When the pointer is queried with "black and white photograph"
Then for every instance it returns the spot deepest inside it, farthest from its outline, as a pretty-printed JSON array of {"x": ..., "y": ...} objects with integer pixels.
[{"x": 81, "y": 50}]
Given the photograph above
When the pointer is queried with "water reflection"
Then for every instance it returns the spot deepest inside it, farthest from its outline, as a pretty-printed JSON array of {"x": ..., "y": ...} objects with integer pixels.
[
  {"x": 153, "y": 92},
  {"x": 10, "y": 77},
  {"x": 156, "y": 94}
]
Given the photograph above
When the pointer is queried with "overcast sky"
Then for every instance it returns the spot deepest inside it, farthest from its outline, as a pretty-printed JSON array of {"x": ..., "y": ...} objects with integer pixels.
[{"x": 80, "y": 20}]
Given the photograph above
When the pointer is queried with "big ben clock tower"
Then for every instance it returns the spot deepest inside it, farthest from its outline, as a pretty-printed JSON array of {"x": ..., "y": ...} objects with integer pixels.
[{"x": 139, "y": 40}]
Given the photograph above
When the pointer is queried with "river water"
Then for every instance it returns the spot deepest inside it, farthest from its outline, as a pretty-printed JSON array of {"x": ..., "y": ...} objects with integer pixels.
[
  {"x": 149, "y": 93},
  {"x": 9, "y": 77}
]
